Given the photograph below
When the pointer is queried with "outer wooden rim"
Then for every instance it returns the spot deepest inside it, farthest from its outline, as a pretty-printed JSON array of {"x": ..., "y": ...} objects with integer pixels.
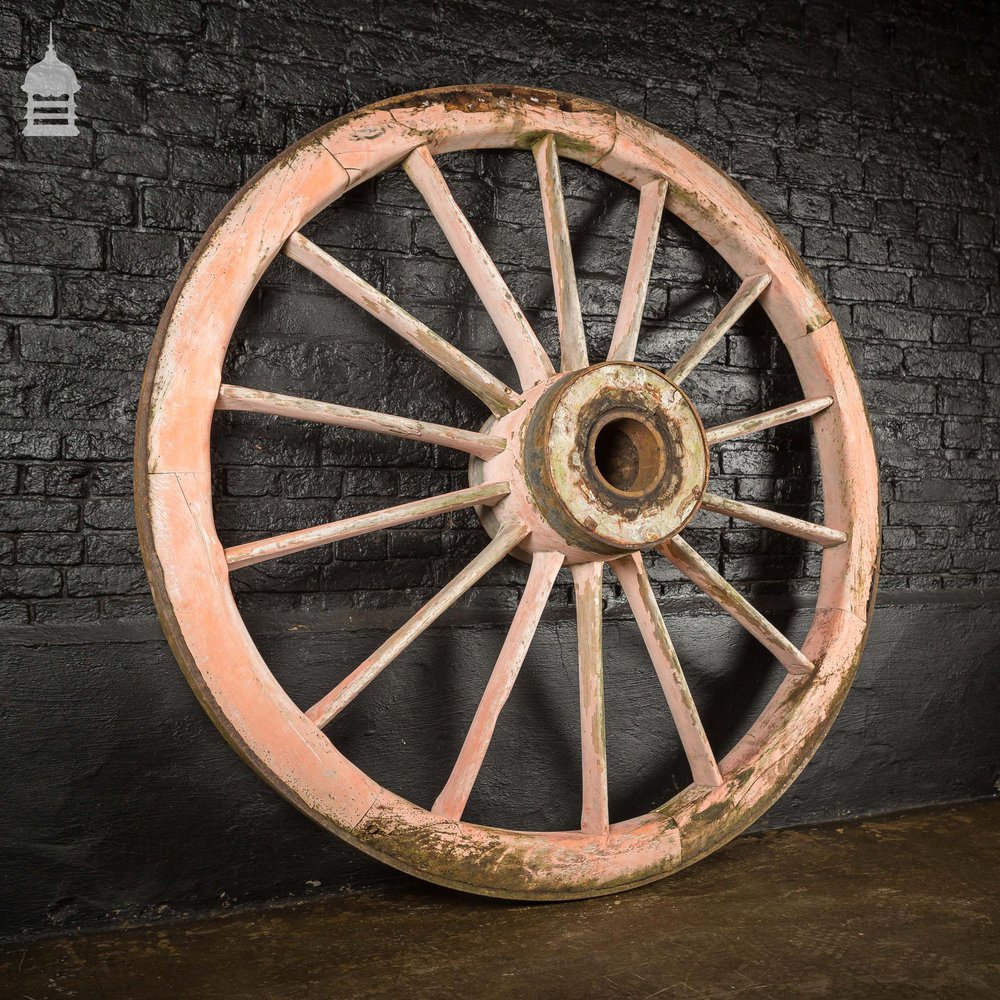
[{"x": 188, "y": 573}]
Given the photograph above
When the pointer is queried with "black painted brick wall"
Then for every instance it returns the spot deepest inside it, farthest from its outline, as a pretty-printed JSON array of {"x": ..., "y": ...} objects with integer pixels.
[{"x": 867, "y": 130}]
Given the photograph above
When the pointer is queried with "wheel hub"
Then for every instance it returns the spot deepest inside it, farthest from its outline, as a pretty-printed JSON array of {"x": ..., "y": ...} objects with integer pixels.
[{"x": 601, "y": 461}]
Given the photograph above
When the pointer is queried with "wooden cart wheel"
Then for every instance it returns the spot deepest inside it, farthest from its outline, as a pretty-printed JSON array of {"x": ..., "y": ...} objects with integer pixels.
[{"x": 587, "y": 466}]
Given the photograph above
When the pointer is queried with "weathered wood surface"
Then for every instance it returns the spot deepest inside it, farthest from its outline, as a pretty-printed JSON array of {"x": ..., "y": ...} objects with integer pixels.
[
  {"x": 249, "y": 553},
  {"x": 625, "y": 337},
  {"x": 587, "y": 584},
  {"x": 530, "y": 360},
  {"x": 764, "y": 421},
  {"x": 572, "y": 341},
  {"x": 241, "y": 399},
  {"x": 455, "y": 794},
  {"x": 329, "y": 706},
  {"x": 748, "y": 293},
  {"x": 847, "y": 463},
  {"x": 787, "y": 525},
  {"x": 497, "y": 396},
  {"x": 631, "y": 573},
  {"x": 711, "y": 582}
]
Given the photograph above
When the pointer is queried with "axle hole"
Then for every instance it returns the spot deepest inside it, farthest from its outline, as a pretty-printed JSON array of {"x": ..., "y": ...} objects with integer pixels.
[{"x": 628, "y": 455}]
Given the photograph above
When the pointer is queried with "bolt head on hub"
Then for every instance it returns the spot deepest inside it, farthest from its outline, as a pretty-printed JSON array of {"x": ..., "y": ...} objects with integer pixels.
[{"x": 601, "y": 461}]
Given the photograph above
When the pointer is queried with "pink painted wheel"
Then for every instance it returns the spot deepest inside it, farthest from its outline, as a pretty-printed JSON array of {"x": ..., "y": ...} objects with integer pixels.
[{"x": 587, "y": 466}]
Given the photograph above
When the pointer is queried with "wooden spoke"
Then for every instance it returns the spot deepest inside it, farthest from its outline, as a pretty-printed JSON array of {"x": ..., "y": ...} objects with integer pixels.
[
  {"x": 770, "y": 418},
  {"x": 635, "y": 582},
  {"x": 647, "y": 228},
  {"x": 818, "y": 533},
  {"x": 707, "y": 579},
  {"x": 587, "y": 582},
  {"x": 235, "y": 397},
  {"x": 507, "y": 538},
  {"x": 249, "y": 553},
  {"x": 745, "y": 296},
  {"x": 455, "y": 794},
  {"x": 572, "y": 342},
  {"x": 531, "y": 361},
  {"x": 498, "y": 397}
]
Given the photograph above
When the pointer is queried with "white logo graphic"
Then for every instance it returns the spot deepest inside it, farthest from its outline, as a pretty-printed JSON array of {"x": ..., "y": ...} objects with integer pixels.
[{"x": 51, "y": 87}]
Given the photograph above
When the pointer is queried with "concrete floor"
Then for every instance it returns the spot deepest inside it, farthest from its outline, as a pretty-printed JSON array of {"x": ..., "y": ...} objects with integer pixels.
[{"x": 902, "y": 907}]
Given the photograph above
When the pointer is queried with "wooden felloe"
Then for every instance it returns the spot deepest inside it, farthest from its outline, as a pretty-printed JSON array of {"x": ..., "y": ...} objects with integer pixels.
[{"x": 593, "y": 464}]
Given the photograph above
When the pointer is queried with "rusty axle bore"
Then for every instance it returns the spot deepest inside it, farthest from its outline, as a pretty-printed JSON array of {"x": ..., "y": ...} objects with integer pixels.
[{"x": 627, "y": 453}]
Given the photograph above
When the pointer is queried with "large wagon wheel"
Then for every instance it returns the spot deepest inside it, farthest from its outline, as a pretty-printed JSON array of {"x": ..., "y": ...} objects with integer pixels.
[{"x": 585, "y": 467}]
